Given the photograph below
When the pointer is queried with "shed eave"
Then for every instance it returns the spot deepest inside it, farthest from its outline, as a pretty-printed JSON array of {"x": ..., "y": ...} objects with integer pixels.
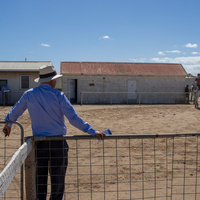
[
  {"x": 98, "y": 74},
  {"x": 7, "y": 70}
]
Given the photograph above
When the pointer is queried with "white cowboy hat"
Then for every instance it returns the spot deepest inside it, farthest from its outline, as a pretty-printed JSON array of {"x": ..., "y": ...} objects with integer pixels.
[{"x": 46, "y": 74}]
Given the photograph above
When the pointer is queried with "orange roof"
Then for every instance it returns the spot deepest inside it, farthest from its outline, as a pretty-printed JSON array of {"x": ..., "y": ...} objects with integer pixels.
[{"x": 117, "y": 68}]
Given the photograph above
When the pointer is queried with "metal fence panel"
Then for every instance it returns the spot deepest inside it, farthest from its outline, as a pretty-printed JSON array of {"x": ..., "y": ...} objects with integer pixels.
[{"x": 133, "y": 167}]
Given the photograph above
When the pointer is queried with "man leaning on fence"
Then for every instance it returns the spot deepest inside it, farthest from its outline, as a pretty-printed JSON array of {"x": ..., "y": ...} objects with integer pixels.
[{"x": 47, "y": 108}]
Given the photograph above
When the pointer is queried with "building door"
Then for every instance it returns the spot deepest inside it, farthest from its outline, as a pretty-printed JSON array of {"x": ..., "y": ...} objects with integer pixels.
[
  {"x": 72, "y": 88},
  {"x": 132, "y": 96}
]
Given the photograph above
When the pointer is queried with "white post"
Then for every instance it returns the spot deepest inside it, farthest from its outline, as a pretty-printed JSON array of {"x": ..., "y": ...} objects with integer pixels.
[{"x": 30, "y": 171}]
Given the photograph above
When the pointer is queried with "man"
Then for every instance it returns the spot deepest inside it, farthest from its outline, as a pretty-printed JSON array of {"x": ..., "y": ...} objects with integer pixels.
[
  {"x": 47, "y": 108},
  {"x": 5, "y": 89},
  {"x": 197, "y": 82},
  {"x": 187, "y": 94}
]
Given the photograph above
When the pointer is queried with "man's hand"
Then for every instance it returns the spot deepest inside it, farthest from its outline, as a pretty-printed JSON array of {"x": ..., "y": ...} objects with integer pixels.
[
  {"x": 7, "y": 130},
  {"x": 100, "y": 135}
]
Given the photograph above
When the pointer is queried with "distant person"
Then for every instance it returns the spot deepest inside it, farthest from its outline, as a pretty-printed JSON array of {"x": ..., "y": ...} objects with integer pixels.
[
  {"x": 5, "y": 90},
  {"x": 47, "y": 108},
  {"x": 187, "y": 94},
  {"x": 191, "y": 92},
  {"x": 198, "y": 81},
  {"x": 196, "y": 92}
]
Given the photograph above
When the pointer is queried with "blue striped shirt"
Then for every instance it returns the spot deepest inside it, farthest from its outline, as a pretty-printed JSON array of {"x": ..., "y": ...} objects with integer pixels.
[{"x": 47, "y": 108}]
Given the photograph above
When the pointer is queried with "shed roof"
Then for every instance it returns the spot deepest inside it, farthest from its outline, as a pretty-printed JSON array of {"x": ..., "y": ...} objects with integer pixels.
[
  {"x": 22, "y": 66},
  {"x": 116, "y": 68}
]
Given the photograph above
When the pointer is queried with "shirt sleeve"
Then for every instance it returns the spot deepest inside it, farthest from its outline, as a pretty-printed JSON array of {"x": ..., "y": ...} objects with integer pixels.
[
  {"x": 17, "y": 110},
  {"x": 73, "y": 117}
]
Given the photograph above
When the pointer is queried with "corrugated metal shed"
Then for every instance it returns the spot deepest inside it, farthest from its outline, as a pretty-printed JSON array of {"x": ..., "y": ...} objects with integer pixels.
[
  {"x": 21, "y": 66},
  {"x": 114, "y": 68}
]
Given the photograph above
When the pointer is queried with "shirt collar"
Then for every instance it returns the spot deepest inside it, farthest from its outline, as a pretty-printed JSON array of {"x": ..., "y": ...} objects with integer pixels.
[{"x": 45, "y": 85}]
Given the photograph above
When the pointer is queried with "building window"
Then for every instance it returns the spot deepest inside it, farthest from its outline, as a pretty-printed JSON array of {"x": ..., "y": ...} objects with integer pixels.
[
  {"x": 25, "y": 82},
  {"x": 3, "y": 83}
]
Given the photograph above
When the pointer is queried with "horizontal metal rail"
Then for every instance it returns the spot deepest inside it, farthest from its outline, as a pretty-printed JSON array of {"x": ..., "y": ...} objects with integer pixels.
[{"x": 86, "y": 137}]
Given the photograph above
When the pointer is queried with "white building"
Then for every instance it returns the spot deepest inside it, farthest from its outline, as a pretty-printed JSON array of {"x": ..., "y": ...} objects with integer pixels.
[
  {"x": 108, "y": 82},
  {"x": 19, "y": 77}
]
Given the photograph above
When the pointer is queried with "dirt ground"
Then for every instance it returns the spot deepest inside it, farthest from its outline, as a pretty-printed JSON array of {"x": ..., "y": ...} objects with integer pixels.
[{"x": 128, "y": 119}]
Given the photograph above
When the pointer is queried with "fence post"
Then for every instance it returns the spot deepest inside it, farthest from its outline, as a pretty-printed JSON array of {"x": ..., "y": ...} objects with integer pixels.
[
  {"x": 81, "y": 98},
  {"x": 30, "y": 170}
]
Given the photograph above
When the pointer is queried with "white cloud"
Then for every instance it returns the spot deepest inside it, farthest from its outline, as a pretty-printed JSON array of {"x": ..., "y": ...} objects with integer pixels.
[
  {"x": 189, "y": 45},
  {"x": 45, "y": 45},
  {"x": 194, "y": 60},
  {"x": 138, "y": 60},
  {"x": 191, "y": 64},
  {"x": 105, "y": 37},
  {"x": 195, "y": 53},
  {"x": 174, "y": 51},
  {"x": 192, "y": 69},
  {"x": 161, "y": 53}
]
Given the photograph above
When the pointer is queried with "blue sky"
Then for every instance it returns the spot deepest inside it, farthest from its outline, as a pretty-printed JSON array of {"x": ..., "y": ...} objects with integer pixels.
[{"x": 101, "y": 31}]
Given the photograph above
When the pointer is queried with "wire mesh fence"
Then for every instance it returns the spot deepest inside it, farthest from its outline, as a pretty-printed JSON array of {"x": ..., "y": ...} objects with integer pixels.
[
  {"x": 123, "y": 167},
  {"x": 132, "y": 167}
]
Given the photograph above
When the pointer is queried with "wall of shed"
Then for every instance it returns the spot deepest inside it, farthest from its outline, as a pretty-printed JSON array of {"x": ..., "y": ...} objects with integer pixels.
[
  {"x": 150, "y": 89},
  {"x": 13, "y": 79}
]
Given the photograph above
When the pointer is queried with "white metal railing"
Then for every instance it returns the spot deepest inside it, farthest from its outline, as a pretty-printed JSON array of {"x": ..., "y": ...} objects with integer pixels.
[
  {"x": 139, "y": 97},
  {"x": 114, "y": 97}
]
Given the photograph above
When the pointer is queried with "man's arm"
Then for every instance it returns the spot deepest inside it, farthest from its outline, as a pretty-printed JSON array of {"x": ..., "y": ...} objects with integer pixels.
[
  {"x": 76, "y": 121},
  {"x": 16, "y": 111}
]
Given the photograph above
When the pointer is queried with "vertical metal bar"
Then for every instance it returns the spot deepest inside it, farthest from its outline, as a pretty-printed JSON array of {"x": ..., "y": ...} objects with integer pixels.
[
  {"x": 77, "y": 173},
  {"x": 172, "y": 169},
  {"x": 197, "y": 154},
  {"x": 90, "y": 168},
  {"x": 22, "y": 168},
  {"x": 4, "y": 151},
  {"x": 166, "y": 168},
  {"x": 104, "y": 171},
  {"x": 154, "y": 169},
  {"x": 4, "y": 158},
  {"x": 184, "y": 167},
  {"x": 139, "y": 98},
  {"x": 117, "y": 171},
  {"x": 63, "y": 148},
  {"x": 142, "y": 168},
  {"x": 49, "y": 164},
  {"x": 130, "y": 166},
  {"x": 81, "y": 98}
]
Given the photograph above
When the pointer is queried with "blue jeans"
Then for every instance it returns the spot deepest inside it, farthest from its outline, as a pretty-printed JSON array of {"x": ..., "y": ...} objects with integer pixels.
[{"x": 51, "y": 156}]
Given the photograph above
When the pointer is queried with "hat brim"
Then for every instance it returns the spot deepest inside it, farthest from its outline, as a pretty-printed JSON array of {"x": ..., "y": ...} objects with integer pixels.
[{"x": 41, "y": 80}]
